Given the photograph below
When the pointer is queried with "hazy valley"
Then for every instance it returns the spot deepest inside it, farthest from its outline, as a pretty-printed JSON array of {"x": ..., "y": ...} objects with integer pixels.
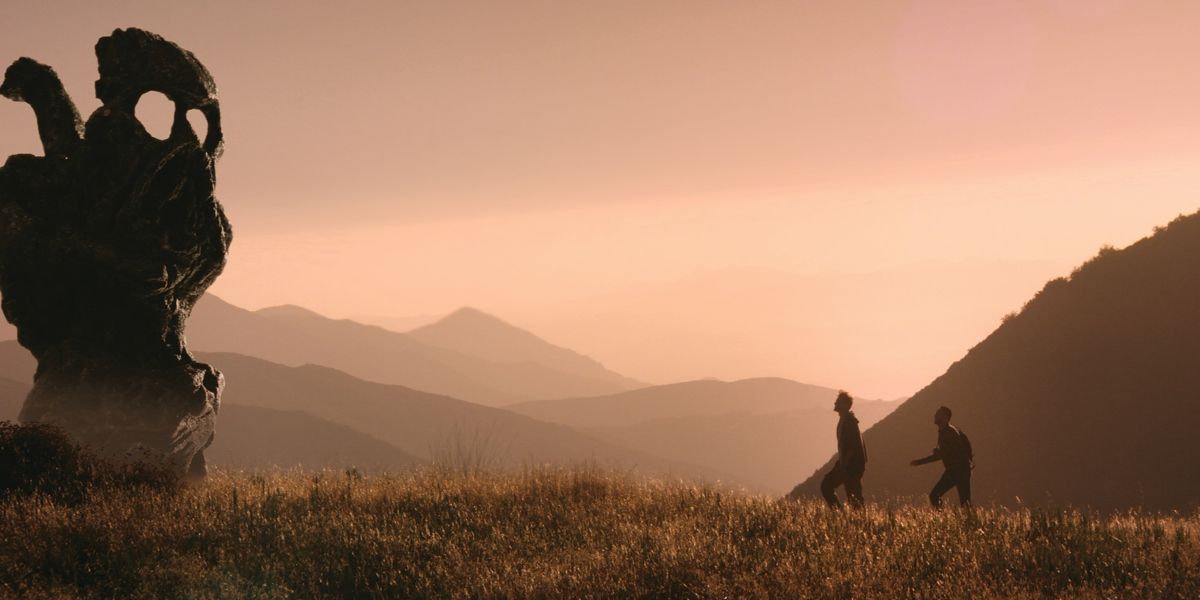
[{"x": 1056, "y": 400}]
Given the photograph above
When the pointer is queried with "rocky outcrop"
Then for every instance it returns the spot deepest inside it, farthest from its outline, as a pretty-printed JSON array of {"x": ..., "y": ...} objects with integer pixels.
[{"x": 106, "y": 243}]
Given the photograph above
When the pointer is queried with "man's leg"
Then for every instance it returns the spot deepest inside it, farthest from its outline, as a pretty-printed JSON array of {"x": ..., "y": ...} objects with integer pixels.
[
  {"x": 940, "y": 488},
  {"x": 829, "y": 483},
  {"x": 854, "y": 489},
  {"x": 964, "y": 488}
]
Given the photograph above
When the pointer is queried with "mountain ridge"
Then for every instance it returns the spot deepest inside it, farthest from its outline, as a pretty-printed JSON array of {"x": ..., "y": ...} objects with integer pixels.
[
  {"x": 418, "y": 426},
  {"x": 701, "y": 396},
  {"x": 472, "y": 331},
  {"x": 1087, "y": 396},
  {"x": 295, "y": 337}
]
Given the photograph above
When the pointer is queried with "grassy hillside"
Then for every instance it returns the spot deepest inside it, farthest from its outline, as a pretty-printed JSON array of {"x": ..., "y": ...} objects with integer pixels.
[
  {"x": 1089, "y": 396},
  {"x": 566, "y": 534}
]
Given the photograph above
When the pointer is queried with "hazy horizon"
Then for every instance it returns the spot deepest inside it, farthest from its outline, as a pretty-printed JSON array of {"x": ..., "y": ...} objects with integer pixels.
[{"x": 844, "y": 195}]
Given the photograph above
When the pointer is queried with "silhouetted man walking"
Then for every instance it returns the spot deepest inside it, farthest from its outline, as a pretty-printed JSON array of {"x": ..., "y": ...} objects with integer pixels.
[
  {"x": 852, "y": 457},
  {"x": 954, "y": 450}
]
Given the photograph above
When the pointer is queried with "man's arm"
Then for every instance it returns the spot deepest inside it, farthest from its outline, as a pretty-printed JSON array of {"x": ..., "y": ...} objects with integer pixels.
[{"x": 936, "y": 456}]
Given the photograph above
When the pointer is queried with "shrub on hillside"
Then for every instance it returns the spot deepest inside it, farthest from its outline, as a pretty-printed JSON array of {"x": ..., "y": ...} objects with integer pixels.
[{"x": 41, "y": 459}]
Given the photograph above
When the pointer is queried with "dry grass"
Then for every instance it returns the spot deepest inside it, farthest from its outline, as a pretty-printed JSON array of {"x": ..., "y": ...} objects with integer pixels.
[{"x": 564, "y": 534}]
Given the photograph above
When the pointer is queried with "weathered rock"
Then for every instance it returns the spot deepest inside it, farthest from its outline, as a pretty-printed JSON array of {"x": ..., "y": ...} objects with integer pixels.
[{"x": 106, "y": 242}]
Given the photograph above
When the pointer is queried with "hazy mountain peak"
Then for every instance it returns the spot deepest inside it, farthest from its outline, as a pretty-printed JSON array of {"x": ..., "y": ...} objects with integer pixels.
[
  {"x": 471, "y": 331},
  {"x": 469, "y": 312},
  {"x": 469, "y": 316},
  {"x": 289, "y": 311}
]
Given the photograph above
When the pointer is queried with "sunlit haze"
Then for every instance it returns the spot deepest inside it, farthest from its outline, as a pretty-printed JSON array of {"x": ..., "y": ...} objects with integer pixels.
[{"x": 845, "y": 194}]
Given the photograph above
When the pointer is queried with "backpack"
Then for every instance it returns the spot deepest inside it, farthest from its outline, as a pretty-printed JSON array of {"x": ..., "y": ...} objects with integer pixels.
[{"x": 966, "y": 442}]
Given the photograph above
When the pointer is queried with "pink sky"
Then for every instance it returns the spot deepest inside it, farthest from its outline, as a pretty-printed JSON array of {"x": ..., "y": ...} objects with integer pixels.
[{"x": 606, "y": 173}]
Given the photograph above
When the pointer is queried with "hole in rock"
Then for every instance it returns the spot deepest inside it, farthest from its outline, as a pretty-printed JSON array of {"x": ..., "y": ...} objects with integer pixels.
[
  {"x": 19, "y": 125},
  {"x": 157, "y": 113},
  {"x": 199, "y": 124}
]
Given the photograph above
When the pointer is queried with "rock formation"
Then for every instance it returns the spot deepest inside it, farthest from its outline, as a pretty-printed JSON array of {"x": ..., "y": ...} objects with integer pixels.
[{"x": 106, "y": 243}]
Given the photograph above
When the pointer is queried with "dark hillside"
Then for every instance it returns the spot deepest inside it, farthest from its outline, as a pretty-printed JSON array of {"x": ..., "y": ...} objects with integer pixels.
[{"x": 1089, "y": 396}]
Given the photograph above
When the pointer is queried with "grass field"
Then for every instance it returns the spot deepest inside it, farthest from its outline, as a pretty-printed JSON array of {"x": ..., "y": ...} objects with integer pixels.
[{"x": 565, "y": 534}]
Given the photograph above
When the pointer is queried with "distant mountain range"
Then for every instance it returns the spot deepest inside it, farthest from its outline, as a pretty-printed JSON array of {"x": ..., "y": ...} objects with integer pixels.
[
  {"x": 759, "y": 396},
  {"x": 1089, "y": 396},
  {"x": 250, "y": 438},
  {"x": 255, "y": 438},
  {"x": 476, "y": 333},
  {"x": 317, "y": 417},
  {"x": 458, "y": 356},
  {"x": 766, "y": 431},
  {"x": 760, "y": 433}
]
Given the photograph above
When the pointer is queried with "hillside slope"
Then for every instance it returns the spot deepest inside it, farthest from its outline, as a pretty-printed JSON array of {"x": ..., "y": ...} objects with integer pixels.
[
  {"x": 429, "y": 426},
  {"x": 248, "y": 437},
  {"x": 1089, "y": 396},
  {"x": 254, "y": 438},
  {"x": 326, "y": 417}
]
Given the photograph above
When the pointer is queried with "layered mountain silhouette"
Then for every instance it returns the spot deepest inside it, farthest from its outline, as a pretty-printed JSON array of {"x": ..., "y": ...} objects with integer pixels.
[
  {"x": 476, "y": 333},
  {"x": 255, "y": 438},
  {"x": 1089, "y": 396},
  {"x": 318, "y": 417},
  {"x": 763, "y": 430},
  {"x": 295, "y": 336},
  {"x": 250, "y": 438},
  {"x": 429, "y": 426},
  {"x": 706, "y": 397}
]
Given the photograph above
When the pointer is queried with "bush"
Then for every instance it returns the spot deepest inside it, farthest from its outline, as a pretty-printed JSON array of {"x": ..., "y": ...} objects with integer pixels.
[{"x": 41, "y": 459}]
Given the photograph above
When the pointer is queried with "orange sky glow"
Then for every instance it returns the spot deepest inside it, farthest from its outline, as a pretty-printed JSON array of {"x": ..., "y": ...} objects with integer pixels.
[{"x": 846, "y": 194}]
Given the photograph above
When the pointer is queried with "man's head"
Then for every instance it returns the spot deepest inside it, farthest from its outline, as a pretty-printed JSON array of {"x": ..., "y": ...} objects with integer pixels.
[
  {"x": 843, "y": 402},
  {"x": 941, "y": 417}
]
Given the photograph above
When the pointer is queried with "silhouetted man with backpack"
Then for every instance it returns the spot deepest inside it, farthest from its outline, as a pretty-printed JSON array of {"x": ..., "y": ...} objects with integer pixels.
[
  {"x": 954, "y": 450},
  {"x": 852, "y": 457}
]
